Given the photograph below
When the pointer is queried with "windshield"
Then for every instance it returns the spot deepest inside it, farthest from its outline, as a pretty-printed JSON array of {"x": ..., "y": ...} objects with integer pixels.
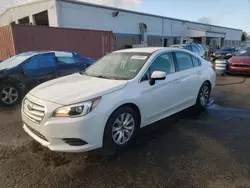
[
  {"x": 119, "y": 65},
  {"x": 244, "y": 52},
  {"x": 15, "y": 60}
]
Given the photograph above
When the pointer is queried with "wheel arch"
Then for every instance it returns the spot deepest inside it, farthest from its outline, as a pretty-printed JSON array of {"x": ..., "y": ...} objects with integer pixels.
[
  {"x": 129, "y": 104},
  {"x": 209, "y": 83},
  {"x": 132, "y": 106}
]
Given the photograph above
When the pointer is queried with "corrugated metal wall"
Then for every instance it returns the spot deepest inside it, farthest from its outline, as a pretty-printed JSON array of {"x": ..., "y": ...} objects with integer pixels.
[
  {"x": 90, "y": 43},
  {"x": 6, "y": 43}
]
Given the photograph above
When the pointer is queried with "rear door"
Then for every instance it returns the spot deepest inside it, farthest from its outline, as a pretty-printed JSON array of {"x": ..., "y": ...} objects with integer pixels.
[
  {"x": 189, "y": 80},
  {"x": 37, "y": 70}
]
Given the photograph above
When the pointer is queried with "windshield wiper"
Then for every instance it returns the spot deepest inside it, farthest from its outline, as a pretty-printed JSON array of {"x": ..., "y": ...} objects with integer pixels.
[{"x": 101, "y": 76}]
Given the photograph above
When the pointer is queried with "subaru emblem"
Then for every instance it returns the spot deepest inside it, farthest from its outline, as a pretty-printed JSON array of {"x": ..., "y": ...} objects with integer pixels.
[{"x": 30, "y": 107}]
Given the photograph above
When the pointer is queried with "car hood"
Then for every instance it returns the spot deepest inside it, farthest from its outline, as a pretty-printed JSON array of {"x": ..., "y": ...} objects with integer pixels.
[
  {"x": 76, "y": 88},
  {"x": 240, "y": 60}
]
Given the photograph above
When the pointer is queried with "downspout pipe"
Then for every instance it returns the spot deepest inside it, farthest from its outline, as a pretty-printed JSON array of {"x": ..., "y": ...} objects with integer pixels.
[{"x": 162, "y": 33}]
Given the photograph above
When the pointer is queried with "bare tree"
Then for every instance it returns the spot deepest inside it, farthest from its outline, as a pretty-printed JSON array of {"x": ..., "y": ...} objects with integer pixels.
[
  {"x": 205, "y": 20},
  {"x": 245, "y": 36},
  {"x": 248, "y": 36}
]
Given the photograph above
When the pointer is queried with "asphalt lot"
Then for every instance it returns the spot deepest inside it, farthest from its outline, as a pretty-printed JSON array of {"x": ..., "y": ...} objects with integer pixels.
[{"x": 186, "y": 150}]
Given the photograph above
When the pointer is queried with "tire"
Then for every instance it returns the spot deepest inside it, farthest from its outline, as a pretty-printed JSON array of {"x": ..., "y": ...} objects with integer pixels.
[
  {"x": 203, "y": 96},
  {"x": 114, "y": 129},
  {"x": 10, "y": 95}
]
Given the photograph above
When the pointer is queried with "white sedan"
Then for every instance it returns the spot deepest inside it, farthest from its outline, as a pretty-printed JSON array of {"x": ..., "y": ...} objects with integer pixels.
[{"x": 120, "y": 93}]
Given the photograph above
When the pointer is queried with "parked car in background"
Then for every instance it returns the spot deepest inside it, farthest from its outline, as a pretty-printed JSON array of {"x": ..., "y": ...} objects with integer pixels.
[
  {"x": 206, "y": 49},
  {"x": 225, "y": 52},
  {"x": 195, "y": 48},
  {"x": 22, "y": 72},
  {"x": 240, "y": 62},
  {"x": 120, "y": 93}
]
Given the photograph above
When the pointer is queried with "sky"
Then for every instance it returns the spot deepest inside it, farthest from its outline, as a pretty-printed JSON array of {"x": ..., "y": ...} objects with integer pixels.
[{"x": 229, "y": 13}]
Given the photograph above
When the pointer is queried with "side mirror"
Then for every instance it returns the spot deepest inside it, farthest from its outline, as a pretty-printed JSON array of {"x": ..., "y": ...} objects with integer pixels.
[{"x": 157, "y": 75}]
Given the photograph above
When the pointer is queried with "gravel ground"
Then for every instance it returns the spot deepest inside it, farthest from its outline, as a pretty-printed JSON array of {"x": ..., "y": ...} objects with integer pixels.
[{"x": 186, "y": 150}]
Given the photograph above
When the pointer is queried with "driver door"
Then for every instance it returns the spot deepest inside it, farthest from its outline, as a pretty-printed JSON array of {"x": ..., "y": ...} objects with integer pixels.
[{"x": 38, "y": 70}]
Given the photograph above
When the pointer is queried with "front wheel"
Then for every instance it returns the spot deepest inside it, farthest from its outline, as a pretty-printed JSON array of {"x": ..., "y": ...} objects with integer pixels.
[
  {"x": 121, "y": 128},
  {"x": 203, "y": 96},
  {"x": 9, "y": 95}
]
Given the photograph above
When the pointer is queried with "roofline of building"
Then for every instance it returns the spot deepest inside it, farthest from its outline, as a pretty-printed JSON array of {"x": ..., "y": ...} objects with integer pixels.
[
  {"x": 206, "y": 30},
  {"x": 21, "y": 5},
  {"x": 141, "y": 13},
  {"x": 117, "y": 9}
]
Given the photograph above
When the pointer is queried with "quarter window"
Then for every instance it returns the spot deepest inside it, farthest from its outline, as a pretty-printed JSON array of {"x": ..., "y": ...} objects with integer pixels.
[
  {"x": 66, "y": 60},
  {"x": 184, "y": 61},
  {"x": 163, "y": 63},
  {"x": 196, "y": 61}
]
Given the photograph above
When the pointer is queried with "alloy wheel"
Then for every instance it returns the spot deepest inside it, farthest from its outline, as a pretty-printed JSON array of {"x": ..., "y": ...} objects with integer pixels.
[
  {"x": 123, "y": 128},
  {"x": 9, "y": 95},
  {"x": 204, "y": 95}
]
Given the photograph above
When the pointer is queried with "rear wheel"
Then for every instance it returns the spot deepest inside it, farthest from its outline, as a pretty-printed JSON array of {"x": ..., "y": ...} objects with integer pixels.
[
  {"x": 9, "y": 95},
  {"x": 203, "y": 96},
  {"x": 121, "y": 128}
]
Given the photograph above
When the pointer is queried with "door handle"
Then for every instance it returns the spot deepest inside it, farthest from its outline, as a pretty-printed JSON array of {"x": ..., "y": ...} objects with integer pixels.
[
  {"x": 199, "y": 72},
  {"x": 177, "y": 81}
]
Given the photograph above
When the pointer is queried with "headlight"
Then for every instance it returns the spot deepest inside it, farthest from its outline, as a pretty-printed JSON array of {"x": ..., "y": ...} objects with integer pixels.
[
  {"x": 76, "y": 110},
  {"x": 228, "y": 54}
]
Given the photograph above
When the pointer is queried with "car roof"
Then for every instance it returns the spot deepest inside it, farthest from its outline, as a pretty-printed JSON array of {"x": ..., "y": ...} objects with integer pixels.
[
  {"x": 179, "y": 45},
  {"x": 151, "y": 50},
  {"x": 57, "y": 53},
  {"x": 141, "y": 50}
]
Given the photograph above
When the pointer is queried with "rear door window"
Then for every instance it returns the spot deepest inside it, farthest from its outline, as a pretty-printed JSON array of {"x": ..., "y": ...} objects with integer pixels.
[{"x": 184, "y": 61}]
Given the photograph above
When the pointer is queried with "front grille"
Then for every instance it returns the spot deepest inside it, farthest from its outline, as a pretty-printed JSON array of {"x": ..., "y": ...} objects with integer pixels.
[
  {"x": 33, "y": 111},
  {"x": 37, "y": 133}
]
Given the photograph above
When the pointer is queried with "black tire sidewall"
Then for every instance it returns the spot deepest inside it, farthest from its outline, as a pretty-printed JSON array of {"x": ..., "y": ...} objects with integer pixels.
[
  {"x": 2, "y": 86},
  {"x": 108, "y": 141},
  {"x": 198, "y": 104}
]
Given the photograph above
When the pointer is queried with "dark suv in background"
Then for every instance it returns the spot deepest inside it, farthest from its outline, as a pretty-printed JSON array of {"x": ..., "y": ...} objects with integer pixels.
[
  {"x": 22, "y": 72},
  {"x": 225, "y": 52}
]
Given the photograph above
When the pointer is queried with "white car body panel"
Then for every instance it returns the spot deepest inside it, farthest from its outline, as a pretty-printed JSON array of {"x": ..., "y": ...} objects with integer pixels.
[
  {"x": 178, "y": 91},
  {"x": 62, "y": 89}
]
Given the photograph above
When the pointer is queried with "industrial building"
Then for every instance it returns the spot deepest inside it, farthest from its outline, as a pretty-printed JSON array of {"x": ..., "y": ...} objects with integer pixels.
[{"x": 129, "y": 27}]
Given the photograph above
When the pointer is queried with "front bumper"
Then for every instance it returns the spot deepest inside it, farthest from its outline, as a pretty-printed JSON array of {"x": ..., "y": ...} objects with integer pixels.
[
  {"x": 237, "y": 70},
  {"x": 61, "y": 134}
]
